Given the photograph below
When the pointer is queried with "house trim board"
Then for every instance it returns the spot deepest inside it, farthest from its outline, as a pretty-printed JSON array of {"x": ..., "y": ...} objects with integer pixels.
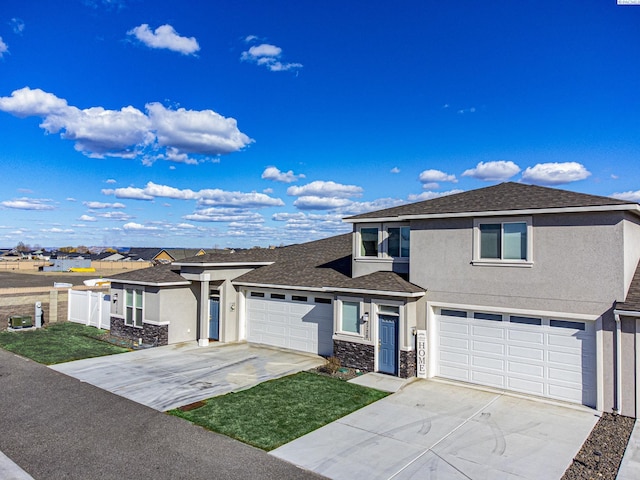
[{"x": 633, "y": 208}]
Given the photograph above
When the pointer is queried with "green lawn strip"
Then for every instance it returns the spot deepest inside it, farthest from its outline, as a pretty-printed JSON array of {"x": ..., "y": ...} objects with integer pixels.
[
  {"x": 278, "y": 411},
  {"x": 58, "y": 343}
]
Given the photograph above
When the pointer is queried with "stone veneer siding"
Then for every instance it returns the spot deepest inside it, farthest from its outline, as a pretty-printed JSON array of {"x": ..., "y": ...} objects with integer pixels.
[
  {"x": 408, "y": 364},
  {"x": 154, "y": 335},
  {"x": 354, "y": 355}
]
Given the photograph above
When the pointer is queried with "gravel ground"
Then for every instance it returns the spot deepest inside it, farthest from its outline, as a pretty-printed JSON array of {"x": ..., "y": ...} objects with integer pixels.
[{"x": 601, "y": 454}]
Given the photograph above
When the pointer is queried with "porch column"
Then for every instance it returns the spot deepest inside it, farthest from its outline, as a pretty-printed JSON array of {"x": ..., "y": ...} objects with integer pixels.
[{"x": 203, "y": 306}]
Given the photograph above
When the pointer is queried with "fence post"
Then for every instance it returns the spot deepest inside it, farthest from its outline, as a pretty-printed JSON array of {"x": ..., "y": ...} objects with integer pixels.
[{"x": 69, "y": 296}]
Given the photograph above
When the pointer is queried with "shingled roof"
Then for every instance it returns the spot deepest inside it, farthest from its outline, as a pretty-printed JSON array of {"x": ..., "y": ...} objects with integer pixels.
[
  {"x": 160, "y": 275},
  {"x": 323, "y": 264},
  {"x": 507, "y": 196},
  {"x": 632, "y": 302}
]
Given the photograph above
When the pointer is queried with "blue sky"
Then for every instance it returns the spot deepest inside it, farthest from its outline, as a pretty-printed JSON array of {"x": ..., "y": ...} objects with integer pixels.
[{"x": 241, "y": 123}]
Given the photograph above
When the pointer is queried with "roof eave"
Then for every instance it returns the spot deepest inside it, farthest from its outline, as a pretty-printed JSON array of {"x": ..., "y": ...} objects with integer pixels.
[
  {"x": 221, "y": 264},
  {"x": 328, "y": 289},
  {"x": 150, "y": 284},
  {"x": 633, "y": 208},
  {"x": 627, "y": 313}
]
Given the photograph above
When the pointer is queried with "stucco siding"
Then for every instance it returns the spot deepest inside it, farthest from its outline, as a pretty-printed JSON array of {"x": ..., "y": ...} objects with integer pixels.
[
  {"x": 631, "y": 227},
  {"x": 577, "y": 265},
  {"x": 628, "y": 366},
  {"x": 179, "y": 308}
]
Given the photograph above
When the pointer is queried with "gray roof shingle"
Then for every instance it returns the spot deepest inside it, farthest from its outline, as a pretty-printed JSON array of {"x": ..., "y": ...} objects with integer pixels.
[
  {"x": 632, "y": 302},
  {"x": 160, "y": 274},
  {"x": 502, "y": 197}
]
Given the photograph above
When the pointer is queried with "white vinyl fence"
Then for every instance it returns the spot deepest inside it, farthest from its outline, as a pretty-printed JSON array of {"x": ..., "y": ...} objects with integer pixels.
[{"x": 89, "y": 308}]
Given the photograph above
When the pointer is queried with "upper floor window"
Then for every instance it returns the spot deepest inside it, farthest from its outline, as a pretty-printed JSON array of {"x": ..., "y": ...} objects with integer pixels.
[
  {"x": 502, "y": 241},
  {"x": 384, "y": 241},
  {"x": 398, "y": 241},
  {"x": 369, "y": 242}
]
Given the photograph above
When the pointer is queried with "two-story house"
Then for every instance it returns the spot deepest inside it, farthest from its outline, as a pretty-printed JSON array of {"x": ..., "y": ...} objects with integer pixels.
[{"x": 515, "y": 286}]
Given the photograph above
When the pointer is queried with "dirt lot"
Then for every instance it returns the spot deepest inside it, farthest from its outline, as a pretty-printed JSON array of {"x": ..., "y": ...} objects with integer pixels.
[{"x": 15, "y": 279}]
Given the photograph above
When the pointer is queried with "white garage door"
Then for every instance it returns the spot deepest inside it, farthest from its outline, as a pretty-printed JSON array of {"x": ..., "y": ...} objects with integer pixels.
[
  {"x": 298, "y": 322},
  {"x": 550, "y": 357}
]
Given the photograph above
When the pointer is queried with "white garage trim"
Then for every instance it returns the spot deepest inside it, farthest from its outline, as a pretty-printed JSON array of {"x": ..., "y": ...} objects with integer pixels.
[
  {"x": 500, "y": 350},
  {"x": 300, "y": 321}
]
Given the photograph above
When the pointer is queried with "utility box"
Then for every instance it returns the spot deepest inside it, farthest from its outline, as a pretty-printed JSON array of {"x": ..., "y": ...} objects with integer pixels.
[{"x": 20, "y": 321}]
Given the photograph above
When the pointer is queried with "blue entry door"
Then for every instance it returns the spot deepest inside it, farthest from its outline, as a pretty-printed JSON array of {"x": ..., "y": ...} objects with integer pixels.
[
  {"x": 388, "y": 344},
  {"x": 214, "y": 319}
]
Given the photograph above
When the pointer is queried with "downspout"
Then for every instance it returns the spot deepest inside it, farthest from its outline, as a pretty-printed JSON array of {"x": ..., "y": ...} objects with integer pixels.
[{"x": 618, "y": 404}]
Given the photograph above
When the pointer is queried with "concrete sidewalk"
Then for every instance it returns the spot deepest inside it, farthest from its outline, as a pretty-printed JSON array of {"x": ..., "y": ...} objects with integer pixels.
[
  {"x": 431, "y": 429},
  {"x": 630, "y": 466},
  {"x": 56, "y": 427}
]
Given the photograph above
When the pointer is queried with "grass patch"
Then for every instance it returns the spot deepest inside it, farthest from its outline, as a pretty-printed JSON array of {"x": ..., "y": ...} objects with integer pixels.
[
  {"x": 279, "y": 411},
  {"x": 58, "y": 343}
]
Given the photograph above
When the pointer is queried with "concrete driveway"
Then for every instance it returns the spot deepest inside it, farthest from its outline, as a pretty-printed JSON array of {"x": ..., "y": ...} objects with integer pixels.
[
  {"x": 168, "y": 377},
  {"x": 432, "y": 429}
]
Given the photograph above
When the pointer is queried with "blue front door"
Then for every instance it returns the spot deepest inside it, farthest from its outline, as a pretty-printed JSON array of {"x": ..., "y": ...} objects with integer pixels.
[
  {"x": 388, "y": 345},
  {"x": 214, "y": 319}
]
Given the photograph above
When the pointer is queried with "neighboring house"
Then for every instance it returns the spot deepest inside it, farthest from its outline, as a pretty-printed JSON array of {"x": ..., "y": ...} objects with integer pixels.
[
  {"x": 163, "y": 255},
  {"x": 515, "y": 285}
]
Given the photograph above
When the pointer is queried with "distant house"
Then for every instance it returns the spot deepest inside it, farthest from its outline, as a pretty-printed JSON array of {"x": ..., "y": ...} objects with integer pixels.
[
  {"x": 517, "y": 287},
  {"x": 163, "y": 255}
]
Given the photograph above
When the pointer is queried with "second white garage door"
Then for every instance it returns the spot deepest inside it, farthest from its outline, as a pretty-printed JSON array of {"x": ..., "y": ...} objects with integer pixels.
[
  {"x": 298, "y": 322},
  {"x": 550, "y": 357}
]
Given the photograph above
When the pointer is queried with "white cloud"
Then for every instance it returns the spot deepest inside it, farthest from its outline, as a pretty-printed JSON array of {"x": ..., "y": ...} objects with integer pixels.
[
  {"x": 555, "y": 173},
  {"x": 127, "y": 192},
  {"x": 192, "y": 131},
  {"x": 268, "y": 56},
  {"x": 208, "y": 197},
  {"x": 273, "y": 173},
  {"x": 462, "y": 111},
  {"x": 57, "y": 230},
  {"x": 250, "y": 38},
  {"x": 395, "y": 170},
  {"x": 215, "y": 214},
  {"x": 4, "y": 48},
  {"x": 110, "y": 181},
  {"x": 431, "y": 178},
  {"x": 431, "y": 195},
  {"x": 128, "y": 132},
  {"x": 99, "y": 205},
  {"x": 321, "y": 188},
  {"x": 25, "y": 203},
  {"x": 17, "y": 24},
  {"x": 499, "y": 170},
  {"x": 355, "y": 208},
  {"x": 630, "y": 196},
  {"x": 138, "y": 227},
  {"x": 312, "y": 202},
  {"x": 165, "y": 37},
  {"x": 87, "y": 218},
  {"x": 114, "y": 216},
  {"x": 301, "y": 225}
]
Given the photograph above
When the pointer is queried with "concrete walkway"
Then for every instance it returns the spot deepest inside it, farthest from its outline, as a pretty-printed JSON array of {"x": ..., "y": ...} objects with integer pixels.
[
  {"x": 55, "y": 427},
  {"x": 431, "y": 429},
  {"x": 630, "y": 466},
  {"x": 168, "y": 377}
]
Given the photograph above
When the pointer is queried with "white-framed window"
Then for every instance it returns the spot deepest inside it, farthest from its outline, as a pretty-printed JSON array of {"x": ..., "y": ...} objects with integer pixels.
[
  {"x": 383, "y": 241},
  {"x": 133, "y": 307},
  {"x": 503, "y": 241},
  {"x": 398, "y": 241},
  {"x": 350, "y": 311}
]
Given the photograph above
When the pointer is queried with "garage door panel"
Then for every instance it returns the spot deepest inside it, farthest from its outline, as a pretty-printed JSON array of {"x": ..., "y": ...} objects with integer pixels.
[
  {"x": 494, "y": 333},
  {"x": 550, "y": 357},
  {"x": 487, "y": 378},
  {"x": 526, "y": 337},
  {"x": 453, "y": 342},
  {"x": 487, "y": 347},
  {"x": 451, "y": 327},
  {"x": 526, "y": 353},
  {"x": 524, "y": 385},
  {"x": 519, "y": 368},
  {"x": 454, "y": 373},
  {"x": 488, "y": 363}
]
